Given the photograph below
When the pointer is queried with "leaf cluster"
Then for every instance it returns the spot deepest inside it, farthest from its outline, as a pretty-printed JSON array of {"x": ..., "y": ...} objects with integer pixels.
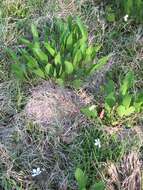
[{"x": 65, "y": 55}]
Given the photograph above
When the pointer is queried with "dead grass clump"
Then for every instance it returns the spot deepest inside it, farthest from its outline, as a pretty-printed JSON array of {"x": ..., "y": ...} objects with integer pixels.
[
  {"x": 66, "y": 8},
  {"x": 126, "y": 175},
  {"x": 52, "y": 105}
]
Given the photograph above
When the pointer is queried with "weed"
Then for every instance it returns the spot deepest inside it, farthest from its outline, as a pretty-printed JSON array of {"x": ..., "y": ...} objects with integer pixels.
[
  {"x": 82, "y": 181},
  {"x": 119, "y": 106},
  {"x": 85, "y": 153},
  {"x": 66, "y": 54}
]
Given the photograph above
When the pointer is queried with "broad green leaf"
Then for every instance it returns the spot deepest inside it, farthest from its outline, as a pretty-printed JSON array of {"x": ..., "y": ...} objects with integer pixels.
[
  {"x": 140, "y": 97},
  {"x": 101, "y": 62},
  {"x": 110, "y": 99},
  {"x": 58, "y": 65},
  {"x": 26, "y": 42},
  {"x": 138, "y": 106},
  {"x": 31, "y": 61},
  {"x": 69, "y": 40},
  {"x": 58, "y": 59},
  {"x": 70, "y": 23},
  {"x": 40, "y": 54},
  {"x": 63, "y": 38},
  {"x": 127, "y": 100},
  {"x": 82, "y": 28},
  {"x": 50, "y": 49},
  {"x": 127, "y": 83},
  {"x": 89, "y": 53},
  {"x": 34, "y": 32},
  {"x": 129, "y": 111},
  {"x": 90, "y": 111},
  {"x": 81, "y": 178},
  {"x": 83, "y": 49},
  {"x": 55, "y": 73},
  {"x": 49, "y": 69},
  {"x": 89, "y": 50},
  {"x": 39, "y": 73},
  {"x": 60, "y": 81},
  {"x": 68, "y": 67},
  {"x": 77, "y": 58},
  {"x": 97, "y": 47},
  {"x": 98, "y": 186},
  {"x": 121, "y": 110}
]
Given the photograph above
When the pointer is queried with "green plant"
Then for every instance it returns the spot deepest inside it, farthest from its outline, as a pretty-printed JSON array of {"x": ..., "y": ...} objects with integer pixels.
[
  {"x": 132, "y": 8},
  {"x": 64, "y": 55},
  {"x": 118, "y": 105},
  {"x": 81, "y": 179},
  {"x": 90, "y": 150},
  {"x": 7, "y": 183}
]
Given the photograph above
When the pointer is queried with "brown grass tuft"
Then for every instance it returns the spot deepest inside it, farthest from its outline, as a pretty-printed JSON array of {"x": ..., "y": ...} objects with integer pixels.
[{"x": 126, "y": 175}]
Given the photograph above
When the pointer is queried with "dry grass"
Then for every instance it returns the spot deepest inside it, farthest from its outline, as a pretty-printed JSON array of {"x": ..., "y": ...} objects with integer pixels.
[{"x": 126, "y": 175}]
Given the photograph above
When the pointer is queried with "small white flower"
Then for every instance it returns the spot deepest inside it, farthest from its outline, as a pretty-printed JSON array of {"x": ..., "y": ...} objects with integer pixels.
[
  {"x": 92, "y": 108},
  {"x": 126, "y": 18},
  {"x": 36, "y": 172},
  {"x": 97, "y": 143}
]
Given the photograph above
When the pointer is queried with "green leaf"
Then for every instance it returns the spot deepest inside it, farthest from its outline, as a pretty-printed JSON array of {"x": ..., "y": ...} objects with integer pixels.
[
  {"x": 89, "y": 53},
  {"x": 49, "y": 69},
  {"x": 97, "y": 47},
  {"x": 68, "y": 67},
  {"x": 77, "y": 58},
  {"x": 127, "y": 100},
  {"x": 83, "y": 30},
  {"x": 107, "y": 107},
  {"x": 58, "y": 59},
  {"x": 34, "y": 32},
  {"x": 69, "y": 40},
  {"x": 90, "y": 111},
  {"x": 98, "y": 186},
  {"x": 31, "y": 61},
  {"x": 138, "y": 106},
  {"x": 101, "y": 62},
  {"x": 55, "y": 73},
  {"x": 39, "y": 73},
  {"x": 139, "y": 102},
  {"x": 127, "y": 83},
  {"x": 50, "y": 49},
  {"x": 60, "y": 81},
  {"x": 40, "y": 54},
  {"x": 81, "y": 179},
  {"x": 129, "y": 111},
  {"x": 121, "y": 110},
  {"x": 140, "y": 97},
  {"x": 26, "y": 42},
  {"x": 110, "y": 99}
]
